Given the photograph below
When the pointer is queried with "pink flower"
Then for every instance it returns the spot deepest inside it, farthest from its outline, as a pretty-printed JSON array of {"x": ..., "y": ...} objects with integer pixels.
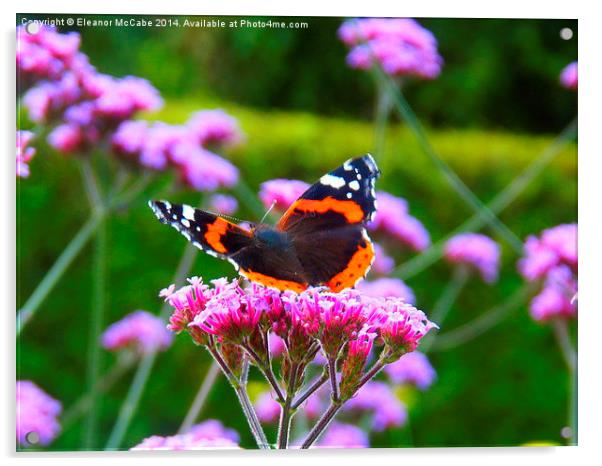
[
  {"x": 214, "y": 127},
  {"x": 67, "y": 138},
  {"x": 207, "y": 435},
  {"x": 24, "y": 153},
  {"x": 277, "y": 345},
  {"x": 37, "y": 413},
  {"x": 555, "y": 246},
  {"x": 392, "y": 218},
  {"x": 413, "y": 368},
  {"x": 205, "y": 171},
  {"x": 140, "y": 330},
  {"x": 383, "y": 264},
  {"x": 125, "y": 96},
  {"x": 358, "y": 351},
  {"x": 475, "y": 250},
  {"x": 400, "y": 45},
  {"x": 223, "y": 204},
  {"x": 281, "y": 192},
  {"x": 555, "y": 300},
  {"x": 267, "y": 408},
  {"x": 377, "y": 399},
  {"x": 341, "y": 435},
  {"x": 568, "y": 77},
  {"x": 387, "y": 287}
]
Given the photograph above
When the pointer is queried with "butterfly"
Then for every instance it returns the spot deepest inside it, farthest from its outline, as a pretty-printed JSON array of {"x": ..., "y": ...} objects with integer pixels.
[{"x": 321, "y": 240}]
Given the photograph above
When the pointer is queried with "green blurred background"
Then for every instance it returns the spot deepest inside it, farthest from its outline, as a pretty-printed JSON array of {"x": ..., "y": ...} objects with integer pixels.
[{"x": 496, "y": 106}]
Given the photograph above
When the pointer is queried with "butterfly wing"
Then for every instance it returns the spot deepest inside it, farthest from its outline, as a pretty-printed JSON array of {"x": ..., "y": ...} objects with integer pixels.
[
  {"x": 327, "y": 225},
  {"x": 208, "y": 232}
]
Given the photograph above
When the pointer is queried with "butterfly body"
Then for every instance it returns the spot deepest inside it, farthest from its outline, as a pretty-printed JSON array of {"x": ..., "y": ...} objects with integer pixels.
[{"x": 320, "y": 240}]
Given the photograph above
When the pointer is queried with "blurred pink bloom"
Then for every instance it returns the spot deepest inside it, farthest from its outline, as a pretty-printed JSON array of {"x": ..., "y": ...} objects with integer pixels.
[
  {"x": 37, "y": 412},
  {"x": 267, "y": 408},
  {"x": 383, "y": 264},
  {"x": 413, "y": 368},
  {"x": 555, "y": 300},
  {"x": 339, "y": 435},
  {"x": 475, "y": 250},
  {"x": 378, "y": 399},
  {"x": 207, "y": 435},
  {"x": 277, "y": 345},
  {"x": 141, "y": 331},
  {"x": 387, "y": 287},
  {"x": 392, "y": 218},
  {"x": 282, "y": 192},
  {"x": 400, "y": 45},
  {"x": 223, "y": 204},
  {"x": 204, "y": 171},
  {"x": 214, "y": 127},
  {"x": 568, "y": 77},
  {"x": 126, "y": 96},
  {"x": 24, "y": 153},
  {"x": 555, "y": 246},
  {"x": 67, "y": 138}
]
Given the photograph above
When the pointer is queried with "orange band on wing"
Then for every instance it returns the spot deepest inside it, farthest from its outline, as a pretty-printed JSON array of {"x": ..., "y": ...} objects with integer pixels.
[
  {"x": 356, "y": 269},
  {"x": 350, "y": 209},
  {"x": 214, "y": 234},
  {"x": 272, "y": 282}
]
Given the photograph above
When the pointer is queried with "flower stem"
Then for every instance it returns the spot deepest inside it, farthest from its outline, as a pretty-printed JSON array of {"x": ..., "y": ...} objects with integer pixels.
[
  {"x": 322, "y": 424},
  {"x": 481, "y": 324},
  {"x": 200, "y": 398},
  {"x": 332, "y": 374},
  {"x": 286, "y": 413},
  {"x": 561, "y": 331},
  {"x": 130, "y": 404},
  {"x": 311, "y": 389},
  {"x": 382, "y": 112},
  {"x": 502, "y": 200},
  {"x": 406, "y": 112},
  {"x": 267, "y": 371},
  {"x": 57, "y": 270},
  {"x": 446, "y": 301}
]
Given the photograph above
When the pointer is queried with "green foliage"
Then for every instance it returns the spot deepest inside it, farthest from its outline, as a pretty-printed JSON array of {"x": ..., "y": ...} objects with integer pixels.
[{"x": 506, "y": 387}]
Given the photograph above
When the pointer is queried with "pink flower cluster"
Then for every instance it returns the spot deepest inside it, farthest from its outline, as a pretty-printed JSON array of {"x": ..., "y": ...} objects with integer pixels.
[
  {"x": 24, "y": 153},
  {"x": 158, "y": 146},
  {"x": 341, "y": 435},
  {"x": 552, "y": 259},
  {"x": 399, "y": 45},
  {"x": 281, "y": 193},
  {"x": 568, "y": 77},
  {"x": 37, "y": 414},
  {"x": 223, "y": 204},
  {"x": 393, "y": 220},
  {"x": 86, "y": 104},
  {"x": 206, "y": 435},
  {"x": 387, "y": 287},
  {"x": 377, "y": 399},
  {"x": 413, "y": 368},
  {"x": 477, "y": 251},
  {"x": 139, "y": 331}
]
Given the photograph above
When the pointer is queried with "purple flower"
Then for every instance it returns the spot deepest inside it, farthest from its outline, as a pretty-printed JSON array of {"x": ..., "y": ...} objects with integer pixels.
[
  {"x": 277, "y": 345},
  {"x": 140, "y": 330},
  {"x": 67, "y": 138},
  {"x": 207, "y": 435},
  {"x": 24, "y": 153},
  {"x": 377, "y": 399},
  {"x": 400, "y": 45},
  {"x": 555, "y": 246},
  {"x": 475, "y": 250},
  {"x": 392, "y": 218},
  {"x": 214, "y": 127},
  {"x": 568, "y": 77},
  {"x": 204, "y": 171},
  {"x": 555, "y": 299},
  {"x": 413, "y": 368},
  {"x": 281, "y": 192},
  {"x": 37, "y": 412},
  {"x": 341, "y": 435},
  {"x": 387, "y": 287},
  {"x": 223, "y": 204},
  {"x": 383, "y": 264},
  {"x": 126, "y": 96},
  {"x": 267, "y": 408}
]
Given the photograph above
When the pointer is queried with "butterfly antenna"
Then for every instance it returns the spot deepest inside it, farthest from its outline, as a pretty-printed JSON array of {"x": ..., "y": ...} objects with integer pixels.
[
  {"x": 227, "y": 217},
  {"x": 268, "y": 211}
]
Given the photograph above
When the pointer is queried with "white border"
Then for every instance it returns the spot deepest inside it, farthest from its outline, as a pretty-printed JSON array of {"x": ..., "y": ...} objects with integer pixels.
[{"x": 590, "y": 197}]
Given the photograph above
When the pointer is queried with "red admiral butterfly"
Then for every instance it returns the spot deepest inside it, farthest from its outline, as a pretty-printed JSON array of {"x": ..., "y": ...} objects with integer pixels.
[{"x": 320, "y": 240}]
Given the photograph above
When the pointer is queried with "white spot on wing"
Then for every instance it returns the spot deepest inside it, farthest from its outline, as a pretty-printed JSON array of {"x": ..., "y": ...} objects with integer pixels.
[
  {"x": 188, "y": 212},
  {"x": 347, "y": 165},
  {"x": 349, "y": 195},
  {"x": 185, "y": 222},
  {"x": 354, "y": 185},
  {"x": 334, "y": 181}
]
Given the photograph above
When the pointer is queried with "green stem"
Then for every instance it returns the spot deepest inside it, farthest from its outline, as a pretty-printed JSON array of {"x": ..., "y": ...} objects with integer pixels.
[
  {"x": 501, "y": 201},
  {"x": 130, "y": 404},
  {"x": 406, "y": 112},
  {"x": 561, "y": 331},
  {"x": 249, "y": 198},
  {"x": 446, "y": 301},
  {"x": 382, "y": 112},
  {"x": 57, "y": 270},
  {"x": 482, "y": 323},
  {"x": 201, "y": 397}
]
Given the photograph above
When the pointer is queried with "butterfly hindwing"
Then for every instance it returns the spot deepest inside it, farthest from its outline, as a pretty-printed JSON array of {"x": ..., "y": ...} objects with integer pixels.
[{"x": 209, "y": 232}]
